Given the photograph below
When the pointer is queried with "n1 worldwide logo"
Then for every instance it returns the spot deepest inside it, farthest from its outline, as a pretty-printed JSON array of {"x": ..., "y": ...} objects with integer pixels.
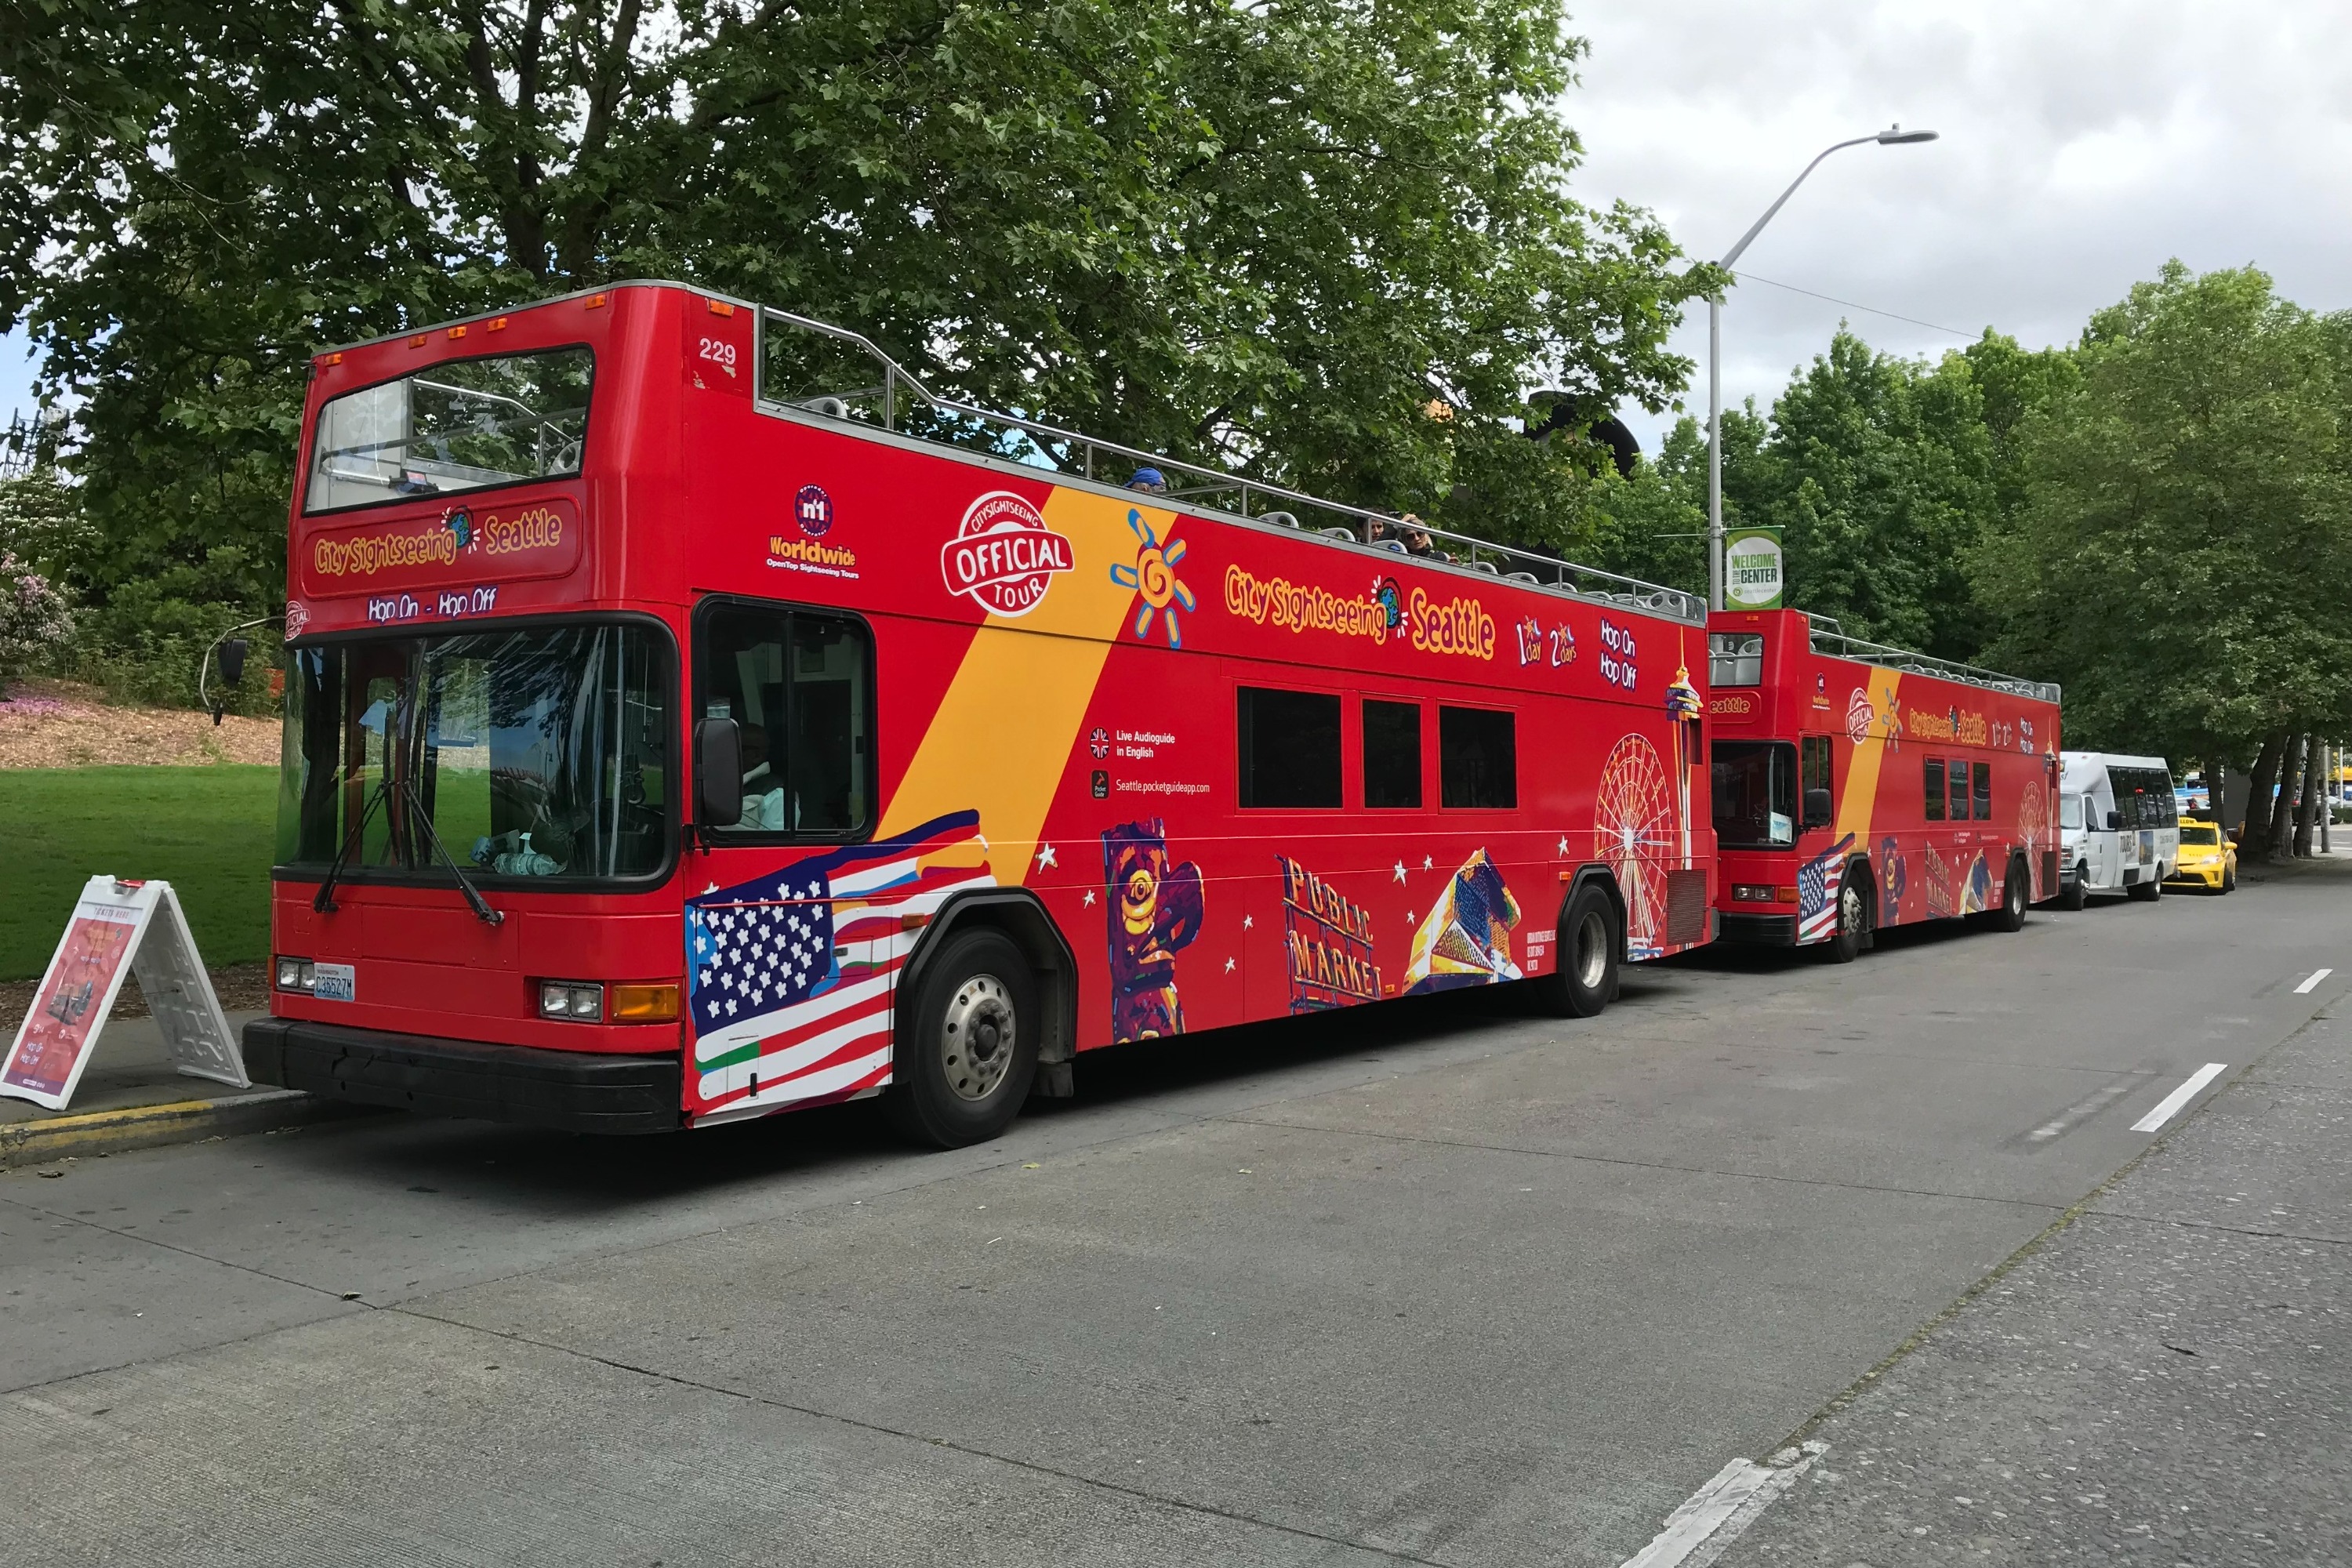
[{"x": 1003, "y": 558}]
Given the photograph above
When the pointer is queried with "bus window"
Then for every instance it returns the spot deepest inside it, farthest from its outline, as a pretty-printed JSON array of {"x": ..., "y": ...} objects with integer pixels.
[
  {"x": 1983, "y": 772},
  {"x": 1959, "y": 777},
  {"x": 798, "y": 688},
  {"x": 1289, "y": 747},
  {"x": 1813, "y": 774},
  {"x": 1755, "y": 794},
  {"x": 464, "y": 425},
  {"x": 1392, "y": 753},
  {"x": 1735, "y": 658},
  {"x": 1933, "y": 780},
  {"x": 1479, "y": 759}
]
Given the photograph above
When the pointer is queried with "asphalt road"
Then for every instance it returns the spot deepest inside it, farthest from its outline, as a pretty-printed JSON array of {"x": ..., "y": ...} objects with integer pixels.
[{"x": 1444, "y": 1283}]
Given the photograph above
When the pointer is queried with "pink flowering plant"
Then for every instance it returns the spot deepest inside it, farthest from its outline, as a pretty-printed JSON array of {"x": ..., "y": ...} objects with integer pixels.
[{"x": 35, "y": 622}]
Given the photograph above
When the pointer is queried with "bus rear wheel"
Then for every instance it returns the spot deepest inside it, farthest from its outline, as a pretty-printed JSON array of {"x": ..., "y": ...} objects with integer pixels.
[
  {"x": 2146, "y": 892},
  {"x": 2011, "y": 915},
  {"x": 1589, "y": 948},
  {"x": 967, "y": 1050}
]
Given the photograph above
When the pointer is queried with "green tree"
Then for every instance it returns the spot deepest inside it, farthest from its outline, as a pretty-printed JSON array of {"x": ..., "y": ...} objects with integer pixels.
[
  {"x": 1325, "y": 243},
  {"x": 2177, "y": 555}
]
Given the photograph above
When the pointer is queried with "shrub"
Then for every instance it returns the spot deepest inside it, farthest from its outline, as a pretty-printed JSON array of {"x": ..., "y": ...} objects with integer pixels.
[{"x": 34, "y": 624}]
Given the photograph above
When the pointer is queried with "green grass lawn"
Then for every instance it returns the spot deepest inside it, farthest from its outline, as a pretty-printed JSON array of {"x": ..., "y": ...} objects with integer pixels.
[{"x": 211, "y": 832}]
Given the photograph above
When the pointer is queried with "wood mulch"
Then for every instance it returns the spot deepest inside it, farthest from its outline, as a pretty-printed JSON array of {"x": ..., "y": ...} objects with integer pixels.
[{"x": 61, "y": 724}]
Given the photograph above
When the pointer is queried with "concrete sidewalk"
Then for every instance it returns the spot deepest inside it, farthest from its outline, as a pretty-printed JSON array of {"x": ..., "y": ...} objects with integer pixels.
[{"x": 132, "y": 1097}]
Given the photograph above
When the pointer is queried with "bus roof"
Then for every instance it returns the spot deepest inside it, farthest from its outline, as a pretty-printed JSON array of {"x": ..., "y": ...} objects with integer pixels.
[
  {"x": 903, "y": 404},
  {"x": 1836, "y": 644}
]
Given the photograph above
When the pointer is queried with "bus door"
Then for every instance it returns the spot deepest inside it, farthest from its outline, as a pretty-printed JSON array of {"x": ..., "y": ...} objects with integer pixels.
[{"x": 794, "y": 930}]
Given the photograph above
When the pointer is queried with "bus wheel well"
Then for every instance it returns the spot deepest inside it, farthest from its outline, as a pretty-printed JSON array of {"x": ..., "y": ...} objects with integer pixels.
[
  {"x": 1019, "y": 915},
  {"x": 1859, "y": 867},
  {"x": 1594, "y": 873}
]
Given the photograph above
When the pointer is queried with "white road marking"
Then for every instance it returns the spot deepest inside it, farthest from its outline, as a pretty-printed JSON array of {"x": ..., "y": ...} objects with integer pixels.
[
  {"x": 1697, "y": 1532},
  {"x": 2172, "y": 1102},
  {"x": 2312, "y": 984}
]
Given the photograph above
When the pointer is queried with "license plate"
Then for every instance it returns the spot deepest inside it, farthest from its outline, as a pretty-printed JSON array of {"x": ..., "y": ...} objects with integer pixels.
[{"x": 336, "y": 982}]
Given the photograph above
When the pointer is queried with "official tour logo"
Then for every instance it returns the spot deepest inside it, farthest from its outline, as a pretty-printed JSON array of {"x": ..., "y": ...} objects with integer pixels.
[
  {"x": 813, "y": 510},
  {"x": 1003, "y": 557},
  {"x": 1859, "y": 715}
]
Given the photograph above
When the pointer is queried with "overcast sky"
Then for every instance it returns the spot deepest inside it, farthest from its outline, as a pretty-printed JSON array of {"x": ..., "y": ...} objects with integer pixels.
[{"x": 2083, "y": 143}]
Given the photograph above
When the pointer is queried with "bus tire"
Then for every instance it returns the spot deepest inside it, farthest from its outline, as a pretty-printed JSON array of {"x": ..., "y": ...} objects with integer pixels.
[
  {"x": 2014, "y": 890},
  {"x": 966, "y": 1052},
  {"x": 1590, "y": 948},
  {"x": 1845, "y": 943},
  {"x": 2146, "y": 892},
  {"x": 2070, "y": 891}
]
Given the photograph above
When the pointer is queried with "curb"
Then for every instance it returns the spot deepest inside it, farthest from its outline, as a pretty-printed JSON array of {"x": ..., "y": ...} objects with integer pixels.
[{"x": 152, "y": 1126}]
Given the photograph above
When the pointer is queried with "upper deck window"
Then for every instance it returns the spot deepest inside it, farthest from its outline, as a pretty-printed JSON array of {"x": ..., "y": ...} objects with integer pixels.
[
  {"x": 1735, "y": 658},
  {"x": 464, "y": 425}
]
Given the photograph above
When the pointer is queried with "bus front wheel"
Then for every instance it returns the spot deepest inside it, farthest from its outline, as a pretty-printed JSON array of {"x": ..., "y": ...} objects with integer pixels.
[
  {"x": 2070, "y": 892},
  {"x": 1588, "y": 949},
  {"x": 964, "y": 1063}
]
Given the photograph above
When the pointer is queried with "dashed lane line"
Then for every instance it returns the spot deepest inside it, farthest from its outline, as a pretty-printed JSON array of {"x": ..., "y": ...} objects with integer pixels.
[
  {"x": 2172, "y": 1103},
  {"x": 2312, "y": 984}
]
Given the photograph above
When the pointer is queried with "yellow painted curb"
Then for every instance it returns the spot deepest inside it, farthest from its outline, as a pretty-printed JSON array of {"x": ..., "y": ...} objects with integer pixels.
[{"x": 147, "y": 1126}]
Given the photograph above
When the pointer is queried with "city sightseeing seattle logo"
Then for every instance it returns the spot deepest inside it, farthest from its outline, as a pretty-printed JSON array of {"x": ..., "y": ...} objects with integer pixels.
[{"x": 1003, "y": 558}]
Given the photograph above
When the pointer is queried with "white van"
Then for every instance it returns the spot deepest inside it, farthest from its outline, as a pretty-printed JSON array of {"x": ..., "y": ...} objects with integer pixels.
[{"x": 2118, "y": 828}]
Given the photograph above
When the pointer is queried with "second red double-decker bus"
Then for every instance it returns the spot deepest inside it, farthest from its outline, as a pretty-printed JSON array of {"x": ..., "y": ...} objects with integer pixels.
[
  {"x": 1858, "y": 786},
  {"x": 690, "y": 718}
]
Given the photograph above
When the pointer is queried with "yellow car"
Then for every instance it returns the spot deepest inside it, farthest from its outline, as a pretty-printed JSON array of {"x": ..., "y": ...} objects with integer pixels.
[{"x": 2208, "y": 860}]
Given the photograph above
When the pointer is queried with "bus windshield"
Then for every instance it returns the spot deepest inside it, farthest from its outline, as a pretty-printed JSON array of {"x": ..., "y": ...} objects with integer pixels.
[
  {"x": 1755, "y": 794},
  {"x": 538, "y": 752},
  {"x": 464, "y": 425}
]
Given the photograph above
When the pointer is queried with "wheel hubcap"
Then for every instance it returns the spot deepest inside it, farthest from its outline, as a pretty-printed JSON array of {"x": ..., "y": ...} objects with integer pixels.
[
  {"x": 977, "y": 1037},
  {"x": 1592, "y": 949},
  {"x": 1849, "y": 912}
]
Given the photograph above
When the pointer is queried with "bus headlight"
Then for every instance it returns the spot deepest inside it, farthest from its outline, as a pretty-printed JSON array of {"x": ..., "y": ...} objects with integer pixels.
[
  {"x": 297, "y": 974},
  {"x": 575, "y": 1001}
]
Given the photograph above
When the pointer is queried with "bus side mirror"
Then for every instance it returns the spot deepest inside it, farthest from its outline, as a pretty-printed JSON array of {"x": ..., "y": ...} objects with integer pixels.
[
  {"x": 718, "y": 774},
  {"x": 232, "y": 660},
  {"x": 2114, "y": 820},
  {"x": 1820, "y": 811}
]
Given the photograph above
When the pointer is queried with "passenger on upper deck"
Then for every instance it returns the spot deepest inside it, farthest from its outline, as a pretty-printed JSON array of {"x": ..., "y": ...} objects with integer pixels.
[
  {"x": 1148, "y": 478},
  {"x": 1416, "y": 539}
]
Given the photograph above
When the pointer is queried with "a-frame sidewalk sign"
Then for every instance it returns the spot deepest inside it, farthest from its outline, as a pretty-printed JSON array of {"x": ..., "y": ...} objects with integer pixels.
[{"x": 119, "y": 929}]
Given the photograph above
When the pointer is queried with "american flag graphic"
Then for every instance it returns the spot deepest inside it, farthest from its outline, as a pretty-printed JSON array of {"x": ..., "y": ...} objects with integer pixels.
[
  {"x": 790, "y": 974},
  {"x": 1818, "y": 883}
]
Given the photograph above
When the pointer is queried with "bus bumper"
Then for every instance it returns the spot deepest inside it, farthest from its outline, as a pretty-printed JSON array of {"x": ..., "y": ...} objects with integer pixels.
[
  {"x": 578, "y": 1091},
  {"x": 1770, "y": 931}
]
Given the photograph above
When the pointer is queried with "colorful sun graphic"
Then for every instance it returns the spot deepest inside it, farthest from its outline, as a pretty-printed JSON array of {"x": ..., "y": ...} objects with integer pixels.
[{"x": 1153, "y": 575}]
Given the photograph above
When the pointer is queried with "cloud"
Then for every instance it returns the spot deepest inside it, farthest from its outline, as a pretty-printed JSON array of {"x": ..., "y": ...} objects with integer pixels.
[{"x": 2083, "y": 144}]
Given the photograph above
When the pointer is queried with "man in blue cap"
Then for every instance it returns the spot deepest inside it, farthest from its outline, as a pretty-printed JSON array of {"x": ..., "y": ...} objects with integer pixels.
[{"x": 1150, "y": 479}]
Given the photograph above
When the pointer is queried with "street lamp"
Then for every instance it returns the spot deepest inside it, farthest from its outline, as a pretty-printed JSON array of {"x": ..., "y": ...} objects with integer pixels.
[{"x": 1893, "y": 136}]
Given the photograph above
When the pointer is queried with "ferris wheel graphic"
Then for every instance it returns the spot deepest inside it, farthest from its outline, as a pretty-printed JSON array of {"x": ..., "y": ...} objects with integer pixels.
[
  {"x": 2033, "y": 826},
  {"x": 1634, "y": 824}
]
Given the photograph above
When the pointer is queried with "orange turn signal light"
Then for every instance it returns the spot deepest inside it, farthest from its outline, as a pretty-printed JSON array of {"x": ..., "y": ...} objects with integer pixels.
[
  {"x": 642, "y": 1003},
  {"x": 498, "y": 325},
  {"x": 593, "y": 302},
  {"x": 417, "y": 341},
  {"x": 720, "y": 307},
  {"x": 1785, "y": 894},
  {"x": 455, "y": 332}
]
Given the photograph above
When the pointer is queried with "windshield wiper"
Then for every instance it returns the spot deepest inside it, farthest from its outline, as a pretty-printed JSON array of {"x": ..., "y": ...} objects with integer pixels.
[
  {"x": 424, "y": 820},
  {"x": 324, "y": 904}
]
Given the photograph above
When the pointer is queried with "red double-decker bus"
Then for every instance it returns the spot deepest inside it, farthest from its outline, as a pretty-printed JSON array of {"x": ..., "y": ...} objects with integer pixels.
[
  {"x": 690, "y": 717},
  {"x": 1858, "y": 786}
]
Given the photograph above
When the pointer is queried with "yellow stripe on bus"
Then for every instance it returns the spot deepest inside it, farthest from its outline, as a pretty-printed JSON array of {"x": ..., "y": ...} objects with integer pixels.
[
  {"x": 1862, "y": 771},
  {"x": 1000, "y": 740}
]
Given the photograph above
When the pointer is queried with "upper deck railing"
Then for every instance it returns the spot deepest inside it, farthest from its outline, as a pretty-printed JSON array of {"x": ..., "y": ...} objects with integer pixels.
[
  {"x": 797, "y": 373},
  {"x": 1837, "y": 644}
]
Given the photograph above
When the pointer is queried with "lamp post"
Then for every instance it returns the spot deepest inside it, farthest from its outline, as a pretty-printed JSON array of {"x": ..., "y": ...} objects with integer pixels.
[{"x": 1894, "y": 136}]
